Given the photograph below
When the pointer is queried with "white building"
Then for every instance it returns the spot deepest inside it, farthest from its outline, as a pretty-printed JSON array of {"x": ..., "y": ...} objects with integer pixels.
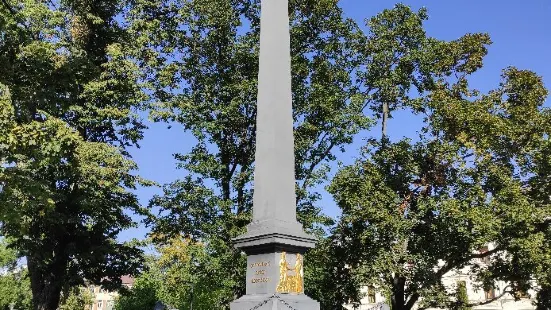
[
  {"x": 105, "y": 300},
  {"x": 372, "y": 298}
]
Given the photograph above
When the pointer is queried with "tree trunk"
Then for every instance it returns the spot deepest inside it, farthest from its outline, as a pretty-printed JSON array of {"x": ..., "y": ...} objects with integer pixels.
[
  {"x": 45, "y": 286},
  {"x": 386, "y": 112},
  {"x": 397, "y": 299}
]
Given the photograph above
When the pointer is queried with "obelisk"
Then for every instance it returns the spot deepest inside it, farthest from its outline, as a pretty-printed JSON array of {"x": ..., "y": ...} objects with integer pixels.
[{"x": 275, "y": 240}]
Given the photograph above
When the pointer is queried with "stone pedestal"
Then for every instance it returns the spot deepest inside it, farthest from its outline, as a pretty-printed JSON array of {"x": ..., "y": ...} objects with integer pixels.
[
  {"x": 278, "y": 272},
  {"x": 279, "y": 302},
  {"x": 275, "y": 273}
]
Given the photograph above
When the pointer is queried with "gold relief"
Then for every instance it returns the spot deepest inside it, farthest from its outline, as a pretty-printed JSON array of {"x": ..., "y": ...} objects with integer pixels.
[{"x": 291, "y": 280}]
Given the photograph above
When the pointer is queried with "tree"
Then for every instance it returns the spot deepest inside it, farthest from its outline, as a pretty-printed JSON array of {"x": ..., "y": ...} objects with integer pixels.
[
  {"x": 462, "y": 302},
  {"x": 328, "y": 280},
  {"x": 396, "y": 60},
  {"x": 182, "y": 273},
  {"x": 399, "y": 60},
  {"x": 142, "y": 296},
  {"x": 76, "y": 298},
  {"x": 544, "y": 298},
  {"x": 413, "y": 212},
  {"x": 8, "y": 257},
  {"x": 69, "y": 94},
  {"x": 15, "y": 288},
  {"x": 209, "y": 86},
  {"x": 542, "y": 274}
]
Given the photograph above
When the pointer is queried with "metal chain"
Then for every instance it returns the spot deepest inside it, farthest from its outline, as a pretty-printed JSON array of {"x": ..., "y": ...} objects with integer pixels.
[
  {"x": 378, "y": 306},
  {"x": 263, "y": 303},
  {"x": 284, "y": 302},
  {"x": 270, "y": 298}
]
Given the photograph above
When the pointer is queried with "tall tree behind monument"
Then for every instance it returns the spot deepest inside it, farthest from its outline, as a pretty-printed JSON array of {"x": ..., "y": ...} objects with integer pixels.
[
  {"x": 475, "y": 178},
  {"x": 214, "y": 46},
  {"x": 69, "y": 94}
]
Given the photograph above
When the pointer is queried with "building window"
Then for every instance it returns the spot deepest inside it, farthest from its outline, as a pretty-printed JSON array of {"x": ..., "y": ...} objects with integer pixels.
[
  {"x": 371, "y": 295},
  {"x": 490, "y": 294},
  {"x": 100, "y": 304}
]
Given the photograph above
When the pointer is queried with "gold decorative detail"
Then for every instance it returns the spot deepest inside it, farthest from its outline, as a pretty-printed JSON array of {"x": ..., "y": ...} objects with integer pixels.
[{"x": 291, "y": 282}]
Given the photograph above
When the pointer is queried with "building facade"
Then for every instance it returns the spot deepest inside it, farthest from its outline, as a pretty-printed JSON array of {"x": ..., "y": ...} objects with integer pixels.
[
  {"x": 373, "y": 298},
  {"x": 105, "y": 300}
]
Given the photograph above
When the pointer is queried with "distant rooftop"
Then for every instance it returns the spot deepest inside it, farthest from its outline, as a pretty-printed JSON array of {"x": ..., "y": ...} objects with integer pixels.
[{"x": 128, "y": 280}]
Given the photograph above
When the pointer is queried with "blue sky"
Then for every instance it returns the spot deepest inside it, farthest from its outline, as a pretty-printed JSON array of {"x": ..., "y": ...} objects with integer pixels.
[{"x": 521, "y": 34}]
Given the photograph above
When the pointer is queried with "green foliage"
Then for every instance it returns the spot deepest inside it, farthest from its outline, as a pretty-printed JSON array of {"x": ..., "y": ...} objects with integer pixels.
[
  {"x": 69, "y": 97},
  {"x": 15, "y": 288},
  {"x": 182, "y": 273},
  {"x": 327, "y": 278},
  {"x": 142, "y": 296},
  {"x": 8, "y": 257},
  {"x": 77, "y": 299},
  {"x": 544, "y": 298},
  {"x": 398, "y": 60},
  {"x": 477, "y": 175},
  {"x": 473, "y": 179},
  {"x": 462, "y": 299},
  {"x": 543, "y": 274},
  {"x": 204, "y": 55}
]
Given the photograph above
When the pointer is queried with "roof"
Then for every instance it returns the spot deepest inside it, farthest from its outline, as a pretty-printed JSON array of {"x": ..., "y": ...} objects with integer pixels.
[{"x": 128, "y": 280}]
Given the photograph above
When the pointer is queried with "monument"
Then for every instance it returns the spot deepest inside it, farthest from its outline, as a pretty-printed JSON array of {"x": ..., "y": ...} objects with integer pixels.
[{"x": 275, "y": 241}]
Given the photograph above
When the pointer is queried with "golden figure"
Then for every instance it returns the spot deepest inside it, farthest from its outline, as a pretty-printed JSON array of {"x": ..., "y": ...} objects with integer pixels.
[
  {"x": 299, "y": 275},
  {"x": 283, "y": 286},
  {"x": 290, "y": 283}
]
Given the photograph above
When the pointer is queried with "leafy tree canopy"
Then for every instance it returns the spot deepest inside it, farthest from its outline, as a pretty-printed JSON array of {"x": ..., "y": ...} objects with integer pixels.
[
  {"x": 182, "y": 273},
  {"x": 15, "y": 288},
  {"x": 204, "y": 55},
  {"x": 69, "y": 94},
  {"x": 77, "y": 298},
  {"x": 414, "y": 211}
]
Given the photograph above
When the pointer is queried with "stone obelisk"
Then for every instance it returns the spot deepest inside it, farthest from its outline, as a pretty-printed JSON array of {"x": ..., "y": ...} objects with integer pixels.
[{"x": 275, "y": 241}]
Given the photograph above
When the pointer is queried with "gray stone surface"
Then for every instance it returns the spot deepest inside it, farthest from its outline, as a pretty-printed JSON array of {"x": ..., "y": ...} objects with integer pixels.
[
  {"x": 274, "y": 232},
  {"x": 274, "y": 201},
  {"x": 263, "y": 272},
  {"x": 273, "y": 242},
  {"x": 274, "y": 178},
  {"x": 297, "y": 302},
  {"x": 274, "y": 228}
]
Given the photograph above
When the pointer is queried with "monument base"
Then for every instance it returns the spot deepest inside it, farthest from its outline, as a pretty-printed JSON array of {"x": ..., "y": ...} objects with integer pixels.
[
  {"x": 273, "y": 235},
  {"x": 275, "y": 302}
]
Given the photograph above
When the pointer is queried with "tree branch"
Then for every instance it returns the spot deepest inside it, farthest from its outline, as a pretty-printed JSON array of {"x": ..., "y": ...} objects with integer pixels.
[
  {"x": 13, "y": 12},
  {"x": 489, "y": 301},
  {"x": 481, "y": 303},
  {"x": 450, "y": 266},
  {"x": 412, "y": 300},
  {"x": 314, "y": 163},
  {"x": 485, "y": 254},
  {"x": 9, "y": 8}
]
